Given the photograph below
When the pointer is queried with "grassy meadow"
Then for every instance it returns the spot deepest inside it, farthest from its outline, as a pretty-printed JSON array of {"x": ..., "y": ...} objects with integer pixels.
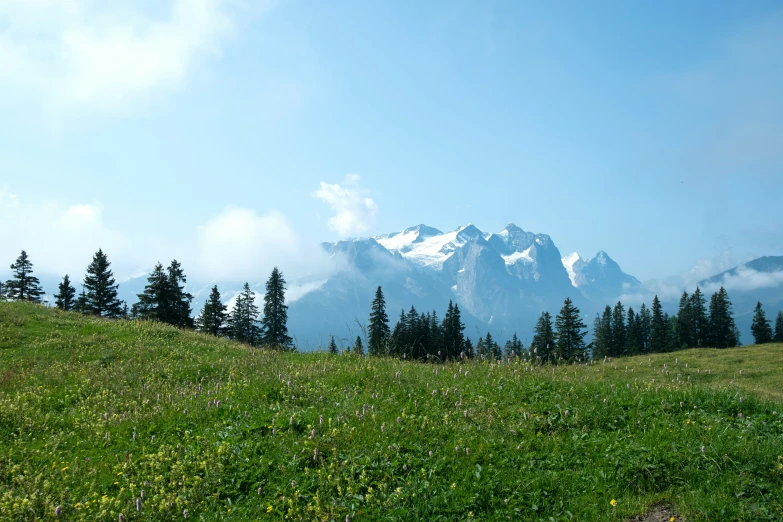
[{"x": 100, "y": 418}]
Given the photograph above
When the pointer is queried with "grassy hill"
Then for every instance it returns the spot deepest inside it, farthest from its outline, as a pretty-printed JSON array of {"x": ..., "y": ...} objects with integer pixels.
[{"x": 96, "y": 414}]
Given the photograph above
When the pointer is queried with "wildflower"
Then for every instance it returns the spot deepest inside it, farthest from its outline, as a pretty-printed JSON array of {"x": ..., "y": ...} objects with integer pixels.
[
  {"x": 430, "y": 453},
  {"x": 122, "y": 518},
  {"x": 269, "y": 509},
  {"x": 613, "y": 502},
  {"x": 143, "y": 494},
  {"x": 315, "y": 454},
  {"x": 185, "y": 513},
  {"x": 702, "y": 449},
  {"x": 505, "y": 501},
  {"x": 138, "y": 504},
  {"x": 467, "y": 451},
  {"x": 58, "y": 511},
  {"x": 321, "y": 420}
]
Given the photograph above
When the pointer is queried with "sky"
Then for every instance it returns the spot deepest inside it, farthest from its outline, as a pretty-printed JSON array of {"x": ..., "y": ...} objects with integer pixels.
[{"x": 236, "y": 135}]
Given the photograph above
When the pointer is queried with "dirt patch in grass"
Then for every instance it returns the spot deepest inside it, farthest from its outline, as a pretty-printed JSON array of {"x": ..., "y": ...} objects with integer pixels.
[{"x": 658, "y": 513}]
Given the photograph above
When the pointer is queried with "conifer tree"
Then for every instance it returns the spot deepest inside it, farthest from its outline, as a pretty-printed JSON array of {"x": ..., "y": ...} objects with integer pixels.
[
  {"x": 685, "y": 322},
  {"x": 64, "y": 300},
  {"x": 213, "y": 316},
  {"x": 470, "y": 352},
  {"x": 778, "y": 337},
  {"x": 100, "y": 297},
  {"x": 452, "y": 327},
  {"x": 645, "y": 322},
  {"x": 178, "y": 306},
  {"x": 570, "y": 332},
  {"x": 2, "y": 291},
  {"x": 378, "y": 329},
  {"x": 398, "y": 342},
  {"x": 243, "y": 320},
  {"x": 701, "y": 323},
  {"x": 722, "y": 330},
  {"x": 274, "y": 329},
  {"x": 761, "y": 328},
  {"x": 618, "y": 330},
  {"x": 333, "y": 347},
  {"x": 23, "y": 285},
  {"x": 543, "y": 344},
  {"x": 658, "y": 329},
  {"x": 154, "y": 303},
  {"x": 358, "y": 347},
  {"x": 602, "y": 334},
  {"x": 632, "y": 334}
]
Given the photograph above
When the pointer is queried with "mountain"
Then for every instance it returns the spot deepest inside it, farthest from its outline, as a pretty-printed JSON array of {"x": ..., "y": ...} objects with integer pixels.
[{"x": 600, "y": 278}]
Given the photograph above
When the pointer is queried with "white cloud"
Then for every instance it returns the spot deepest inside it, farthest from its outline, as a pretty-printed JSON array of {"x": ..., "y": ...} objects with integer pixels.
[
  {"x": 354, "y": 212},
  {"x": 746, "y": 279},
  {"x": 79, "y": 53},
  {"x": 240, "y": 245}
]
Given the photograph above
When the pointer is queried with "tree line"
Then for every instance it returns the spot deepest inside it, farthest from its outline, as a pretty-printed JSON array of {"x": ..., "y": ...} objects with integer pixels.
[{"x": 164, "y": 300}]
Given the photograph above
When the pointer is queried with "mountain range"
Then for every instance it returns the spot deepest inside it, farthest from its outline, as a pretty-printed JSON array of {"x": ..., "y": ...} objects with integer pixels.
[{"x": 501, "y": 281}]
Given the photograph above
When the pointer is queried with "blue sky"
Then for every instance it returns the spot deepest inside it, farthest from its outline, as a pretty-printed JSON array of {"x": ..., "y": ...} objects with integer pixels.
[{"x": 235, "y": 135}]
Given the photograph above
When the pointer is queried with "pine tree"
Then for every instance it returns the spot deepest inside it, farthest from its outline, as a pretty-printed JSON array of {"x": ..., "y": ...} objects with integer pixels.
[
  {"x": 685, "y": 322},
  {"x": 722, "y": 330},
  {"x": 178, "y": 309},
  {"x": 760, "y": 328},
  {"x": 470, "y": 352},
  {"x": 701, "y": 323},
  {"x": 154, "y": 302},
  {"x": 645, "y": 324},
  {"x": 778, "y": 338},
  {"x": 274, "y": 329},
  {"x": 213, "y": 316},
  {"x": 100, "y": 289},
  {"x": 398, "y": 343},
  {"x": 23, "y": 285},
  {"x": 243, "y": 320},
  {"x": 602, "y": 334},
  {"x": 333, "y": 347},
  {"x": 658, "y": 329},
  {"x": 570, "y": 333},
  {"x": 543, "y": 344},
  {"x": 2, "y": 291},
  {"x": 358, "y": 348},
  {"x": 618, "y": 331},
  {"x": 378, "y": 329},
  {"x": 632, "y": 334},
  {"x": 452, "y": 328},
  {"x": 64, "y": 300}
]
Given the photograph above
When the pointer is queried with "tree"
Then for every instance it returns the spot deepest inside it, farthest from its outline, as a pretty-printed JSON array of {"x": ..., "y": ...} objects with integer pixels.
[
  {"x": 100, "y": 289},
  {"x": 274, "y": 329},
  {"x": 778, "y": 337},
  {"x": 685, "y": 322},
  {"x": 23, "y": 285},
  {"x": 452, "y": 327},
  {"x": 64, "y": 300},
  {"x": 570, "y": 332},
  {"x": 358, "y": 348},
  {"x": 632, "y": 334},
  {"x": 543, "y": 345},
  {"x": 178, "y": 309},
  {"x": 760, "y": 328},
  {"x": 333, "y": 347},
  {"x": 602, "y": 334},
  {"x": 154, "y": 302},
  {"x": 243, "y": 319},
  {"x": 2, "y": 291},
  {"x": 645, "y": 322},
  {"x": 213, "y": 316},
  {"x": 658, "y": 329},
  {"x": 470, "y": 353},
  {"x": 513, "y": 348},
  {"x": 398, "y": 341},
  {"x": 378, "y": 328},
  {"x": 722, "y": 332},
  {"x": 701, "y": 323},
  {"x": 618, "y": 347}
]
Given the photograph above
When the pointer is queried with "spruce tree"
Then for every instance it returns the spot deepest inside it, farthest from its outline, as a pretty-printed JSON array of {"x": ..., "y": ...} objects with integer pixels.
[
  {"x": 760, "y": 328},
  {"x": 543, "y": 344},
  {"x": 658, "y": 329},
  {"x": 618, "y": 330},
  {"x": 64, "y": 300},
  {"x": 778, "y": 337},
  {"x": 358, "y": 347},
  {"x": 722, "y": 330},
  {"x": 632, "y": 334},
  {"x": 212, "y": 319},
  {"x": 23, "y": 285},
  {"x": 645, "y": 322},
  {"x": 333, "y": 347},
  {"x": 452, "y": 328},
  {"x": 701, "y": 323},
  {"x": 570, "y": 333},
  {"x": 398, "y": 342},
  {"x": 100, "y": 289},
  {"x": 178, "y": 309},
  {"x": 470, "y": 352},
  {"x": 378, "y": 329},
  {"x": 274, "y": 329},
  {"x": 685, "y": 322},
  {"x": 602, "y": 335},
  {"x": 154, "y": 303},
  {"x": 242, "y": 323}
]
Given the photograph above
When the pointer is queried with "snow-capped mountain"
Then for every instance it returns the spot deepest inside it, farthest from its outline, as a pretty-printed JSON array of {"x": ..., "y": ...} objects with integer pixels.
[{"x": 600, "y": 278}]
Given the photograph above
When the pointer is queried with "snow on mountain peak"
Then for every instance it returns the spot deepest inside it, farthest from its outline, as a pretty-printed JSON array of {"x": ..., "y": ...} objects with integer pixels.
[{"x": 572, "y": 263}]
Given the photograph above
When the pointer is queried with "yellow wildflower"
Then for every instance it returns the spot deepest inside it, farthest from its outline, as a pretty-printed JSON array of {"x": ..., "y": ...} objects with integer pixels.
[
  {"x": 269, "y": 509},
  {"x": 613, "y": 502}
]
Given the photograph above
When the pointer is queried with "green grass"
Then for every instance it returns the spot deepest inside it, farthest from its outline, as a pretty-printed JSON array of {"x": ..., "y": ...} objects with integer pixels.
[{"x": 508, "y": 442}]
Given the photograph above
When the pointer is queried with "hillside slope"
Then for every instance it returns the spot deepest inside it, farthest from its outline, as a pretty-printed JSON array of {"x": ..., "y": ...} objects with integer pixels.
[{"x": 96, "y": 414}]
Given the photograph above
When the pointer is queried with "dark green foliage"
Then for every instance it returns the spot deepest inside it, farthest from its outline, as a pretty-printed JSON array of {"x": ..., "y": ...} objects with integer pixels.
[
  {"x": 618, "y": 347},
  {"x": 333, "y": 347},
  {"x": 488, "y": 349},
  {"x": 645, "y": 324},
  {"x": 179, "y": 299},
  {"x": 100, "y": 290},
  {"x": 65, "y": 298},
  {"x": 659, "y": 329},
  {"x": 2, "y": 291},
  {"x": 602, "y": 334},
  {"x": 378, "y": 329},
  {"x": 212, "y": 319},
  {"x": 23, "y": 285},
  {"x": 722, "y": 332},
  {"x": 469, "y": 350},
  {"x": 243, "y": 320},
  {"x": 453, "y": 339},
  {"x": 570, "y": 333},
  {"x": 513, "y": 347},
  {"x": 701, "y": 323},
  {"x": 274, "y": 329},
  {"x": 358, "y": 347},
  {"x": 685, "y": 322},
  {"x": 778, "y": 337},
  {"x": 154, "y": 303},
  {"x": 632, "y": 334},
  {"x": 761, "y": 328},
  {"x": 543, "y": 346}
]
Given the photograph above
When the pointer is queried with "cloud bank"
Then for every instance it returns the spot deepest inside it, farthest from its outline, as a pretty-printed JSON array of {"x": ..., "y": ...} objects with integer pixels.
[{"x": 354, "y": 212}]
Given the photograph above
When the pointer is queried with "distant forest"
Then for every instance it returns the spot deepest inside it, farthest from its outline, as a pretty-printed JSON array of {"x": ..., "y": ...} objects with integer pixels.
[{"x": 416, "y": 336}]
